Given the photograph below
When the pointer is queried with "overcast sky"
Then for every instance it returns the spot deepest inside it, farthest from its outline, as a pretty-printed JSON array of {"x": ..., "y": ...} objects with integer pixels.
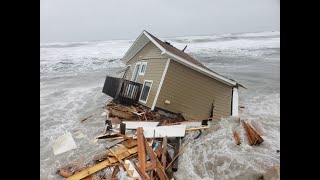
[{"x": 85, "y": 20}]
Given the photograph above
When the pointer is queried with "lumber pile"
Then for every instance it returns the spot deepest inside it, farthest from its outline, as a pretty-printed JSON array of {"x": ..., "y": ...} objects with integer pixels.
[
  {"x": 138, "y": 141},
  {"x": 141, "y": 158},
  {"x": 253, "y": 137}
]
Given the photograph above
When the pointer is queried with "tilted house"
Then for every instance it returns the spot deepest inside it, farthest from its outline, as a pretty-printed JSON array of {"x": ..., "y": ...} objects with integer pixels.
[{"x": 174, "y": 81}]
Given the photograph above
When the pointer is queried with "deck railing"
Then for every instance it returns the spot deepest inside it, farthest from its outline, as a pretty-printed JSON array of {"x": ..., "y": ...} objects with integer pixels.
[{"x": 122, "y": 90}]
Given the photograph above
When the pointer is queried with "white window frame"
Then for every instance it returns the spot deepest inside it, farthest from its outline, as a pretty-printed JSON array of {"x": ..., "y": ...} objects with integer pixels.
[
  {"x": 142, "y": 73},
  {"x": 144, "y": 82},
  {"x": 134, "y": 71}
]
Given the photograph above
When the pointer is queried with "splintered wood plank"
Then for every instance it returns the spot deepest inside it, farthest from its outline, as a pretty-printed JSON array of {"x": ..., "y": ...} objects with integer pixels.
[
  {"x": 164, "y": 152},
  {"x": 259, "y": 139},
  {"x": 112, "y": 159},
  {"x": 151, "y": 154},
  {"x": 130, "y": 172},
  {"x": 141, "y": 173},
  {"x": 159, "y": 150},
  {"x": 90, "y": 170},
  {"x": 141, "y": 149},
  {"x": 119, "y": 149},
  {"x": 133, "y": 150},
  {"x": 130, "y": 143},
  {"x": 161, "y": 173},
  {"x": 247, "y": 133},
  {"x": 123, "y": 155}
]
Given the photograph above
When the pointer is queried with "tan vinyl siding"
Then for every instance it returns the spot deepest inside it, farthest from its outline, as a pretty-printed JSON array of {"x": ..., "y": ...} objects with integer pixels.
[
  {"x": 155, "y": 66},
  {"x": 191, "y": 93}
]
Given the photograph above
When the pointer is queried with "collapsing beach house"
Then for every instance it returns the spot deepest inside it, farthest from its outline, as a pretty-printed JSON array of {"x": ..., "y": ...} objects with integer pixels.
[{"x": 160, "y": 76}]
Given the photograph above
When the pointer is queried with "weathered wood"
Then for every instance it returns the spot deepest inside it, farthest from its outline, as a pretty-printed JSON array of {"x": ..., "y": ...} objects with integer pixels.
[
  {"x": 247, "y": 133},
  {"x": 130, "y": 143},
  {"x": 164, "y": 151},
  {"x": 112, "y": 159},
  {"x": 122, "y": 128},
  {"x": 151, "y": 154},
  {"x": 141, "y": 172},
  {"x": 141, "y": 149},
  {"x": 236, "y": 137},
  {"x": 259, "y": 138},
  {"x": 197, "y": 128},
  {"x": 182, "y": 149},
  {"x": 115, "y": 171},
  {"x": 133, "y": 150},
  {"x": 121, "y": 114},
  {"x": 123, "y": 155},
  {"x": 123, "y": 164},
  {"x": 160, "y": 171},
  {"x": 90, "y": 170}
]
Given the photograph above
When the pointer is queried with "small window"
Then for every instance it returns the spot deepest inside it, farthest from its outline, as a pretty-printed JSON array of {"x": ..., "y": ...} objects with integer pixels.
[
  {"x": 143, "y": 68},
  {"x": 145, "y": 91}
]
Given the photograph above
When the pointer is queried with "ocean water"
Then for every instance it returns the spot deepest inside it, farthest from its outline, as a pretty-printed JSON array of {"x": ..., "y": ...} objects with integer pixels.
[{"x": 72, "y": 77}]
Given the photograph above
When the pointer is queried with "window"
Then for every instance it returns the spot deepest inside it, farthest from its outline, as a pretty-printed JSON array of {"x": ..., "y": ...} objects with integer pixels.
[
  {"x": 143, "y": 68},
  {"x": 145, "y": 91}
]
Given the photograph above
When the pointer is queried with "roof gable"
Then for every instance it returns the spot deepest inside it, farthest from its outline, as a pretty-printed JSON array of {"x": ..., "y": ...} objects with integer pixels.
[{"x": 176, "y": 55}]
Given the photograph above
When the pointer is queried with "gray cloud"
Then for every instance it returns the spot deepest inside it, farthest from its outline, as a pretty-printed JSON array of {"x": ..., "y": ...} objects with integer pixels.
[{"x": 85, "y": 20}]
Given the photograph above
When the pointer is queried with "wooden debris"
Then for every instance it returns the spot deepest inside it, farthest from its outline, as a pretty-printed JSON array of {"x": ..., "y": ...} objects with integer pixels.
[
  {"x": 257, "y": 127},
  {"x": 121, "y": 114},
  {"x": 236, "y": 137},
  {"x": 90, "y": 170},
  {"x": 125, "y": 165},
  {"x": 141, "y": 172},
  {"x": 115, "y": 171},
  {"x": 161, "y": 172},
  {"x": 197, "y": 128},
  {"x": 141, "y": 149},
  {"x": 151, "y": 154},
  {"x": 130, "y": 143},
  {"x": 164, "y": 151},
  {"x": 253, "y": 137}
]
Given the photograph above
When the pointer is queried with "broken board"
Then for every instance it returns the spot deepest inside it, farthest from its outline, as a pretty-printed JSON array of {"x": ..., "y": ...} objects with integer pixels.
[{"x": 162, "y": 131}]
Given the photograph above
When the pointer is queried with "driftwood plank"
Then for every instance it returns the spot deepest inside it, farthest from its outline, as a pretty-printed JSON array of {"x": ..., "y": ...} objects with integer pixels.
[
  {"x": 90, "y": 170},
  {"x": 141, "y": 149}
]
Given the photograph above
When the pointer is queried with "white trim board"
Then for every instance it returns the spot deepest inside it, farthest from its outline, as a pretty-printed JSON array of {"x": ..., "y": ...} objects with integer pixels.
[
  {"x": 235, "y": 102},
  {"x": 145, "y": 102},
  {"x": 162, "y": 131},
  {"x": 135, "y": 125},
  {"x": 160, "y": 84}
]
